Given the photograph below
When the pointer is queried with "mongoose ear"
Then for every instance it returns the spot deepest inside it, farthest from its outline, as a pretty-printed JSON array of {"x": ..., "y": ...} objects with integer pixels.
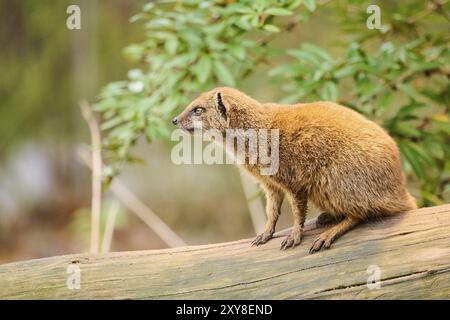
[{"x": 221, "y": 106}]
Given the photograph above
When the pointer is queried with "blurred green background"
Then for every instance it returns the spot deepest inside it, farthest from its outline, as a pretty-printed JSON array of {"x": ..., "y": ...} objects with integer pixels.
[{"x": 273, "y": 50}]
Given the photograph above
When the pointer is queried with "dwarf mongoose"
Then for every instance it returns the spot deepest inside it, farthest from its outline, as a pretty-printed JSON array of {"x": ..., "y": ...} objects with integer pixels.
[{"x": 347, "y": 165}]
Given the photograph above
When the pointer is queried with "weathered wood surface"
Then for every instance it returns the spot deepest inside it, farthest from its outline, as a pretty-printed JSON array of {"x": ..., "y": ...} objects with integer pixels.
[{"x": 412, "y": 251}]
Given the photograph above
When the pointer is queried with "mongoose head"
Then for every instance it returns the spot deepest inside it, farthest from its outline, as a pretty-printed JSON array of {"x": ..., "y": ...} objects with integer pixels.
[{"x": 208, "y": 111}]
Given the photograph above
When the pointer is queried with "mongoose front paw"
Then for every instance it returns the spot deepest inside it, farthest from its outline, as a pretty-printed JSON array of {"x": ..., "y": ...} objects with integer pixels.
[
  {"x": 261, "y": 239},
  {"x": 292, "y": 240}
]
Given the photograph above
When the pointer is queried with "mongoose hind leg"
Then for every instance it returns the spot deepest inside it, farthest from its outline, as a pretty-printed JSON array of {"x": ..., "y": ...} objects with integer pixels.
[
  {"x": 325, "y": 219},
  {"x": 299, "y": 206},
  {"x": 325, "y": 239},
  {"x": 274, "y": 199}
]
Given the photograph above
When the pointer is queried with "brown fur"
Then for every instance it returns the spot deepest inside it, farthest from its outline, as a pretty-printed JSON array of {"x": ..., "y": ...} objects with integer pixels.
[{"x": 347, "y": 165}]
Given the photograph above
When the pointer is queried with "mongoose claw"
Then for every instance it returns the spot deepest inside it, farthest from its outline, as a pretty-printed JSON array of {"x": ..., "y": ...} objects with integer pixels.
[
  {"x": 321, "y": 242},
  {"x": 292, "y": 240},
  {"x": 261, "y": 239}
]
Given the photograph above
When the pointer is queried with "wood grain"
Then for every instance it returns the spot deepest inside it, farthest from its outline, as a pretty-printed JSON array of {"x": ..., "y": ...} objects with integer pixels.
[{"x": 412, "y": 251}]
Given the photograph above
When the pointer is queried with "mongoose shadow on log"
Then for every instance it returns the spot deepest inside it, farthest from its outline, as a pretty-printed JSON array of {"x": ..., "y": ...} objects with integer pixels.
[{"x": 347, "y": 165}]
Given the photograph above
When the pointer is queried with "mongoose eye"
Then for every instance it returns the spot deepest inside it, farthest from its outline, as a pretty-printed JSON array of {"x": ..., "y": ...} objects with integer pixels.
[{"x": 198, "y": 111}]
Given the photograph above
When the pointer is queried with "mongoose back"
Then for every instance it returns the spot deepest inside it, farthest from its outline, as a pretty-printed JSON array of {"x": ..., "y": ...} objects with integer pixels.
[{"x": 347, "y": 165}]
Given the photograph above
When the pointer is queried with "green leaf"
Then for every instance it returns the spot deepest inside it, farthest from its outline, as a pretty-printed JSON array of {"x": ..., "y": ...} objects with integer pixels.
[
  {"x": 421, "y": 153},
  {"x": 171, "y": 45},
  {"x": 406, "y": 112},
  {"x": 271, "y": 28},
  {"x": 134, "y": 52},
  {"x": 255, "y": 21},
  {"x": 310, "y": 4},
  {"x": 193, "y": 38},
  {"x": 223, "y": 74},
  {"x": 111, "y": 123},
  {"x": 432, "y": 198},
  {"x": 344, "y": 71},
  {"x": 412, "y": 160},
  {"x": 203, "y": 68},
  {"x": 329, "y": 91},
  {"x": 385, "y": 99},
  {"x": 435, "y": 148},
  {"x": 406, "y": 130},
  {"x": 410, "y": 90},
  {"x": 367, "y": 89},
  {"x": 244, "y": 22},
  {"x": 317, "y": 51},
  {"x": 136, "y": 17},
  {"x": 295, "y": 4},
  {"x": 244, "y": 10},
  {"x": 158, "y": 24},
  {"x": 105, "y": 104},
  {"x": 281, "y": 70},
  {"x": 278, "y": 12},
  {"x": 237, "y": 51},
  {"x": 214, "y": 29},
  {"x": 305, "y": 56},
  {"x": 148, "y": 7}
]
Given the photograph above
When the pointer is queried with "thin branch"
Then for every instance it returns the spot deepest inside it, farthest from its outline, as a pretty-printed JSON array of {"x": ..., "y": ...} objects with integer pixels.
[
  {"x": 255, "y": 206},
  {"x": 109, "y": 228},
  {"x": 96, "y": 160},
  {"x": 146, "y": 214}
]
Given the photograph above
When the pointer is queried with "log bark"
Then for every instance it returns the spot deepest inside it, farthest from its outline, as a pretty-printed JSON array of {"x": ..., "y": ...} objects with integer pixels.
[{"x": 411, "y": 252}]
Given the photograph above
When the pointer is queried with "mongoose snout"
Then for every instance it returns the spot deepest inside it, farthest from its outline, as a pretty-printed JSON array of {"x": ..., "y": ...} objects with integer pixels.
[{"x": 345, "y": 164}]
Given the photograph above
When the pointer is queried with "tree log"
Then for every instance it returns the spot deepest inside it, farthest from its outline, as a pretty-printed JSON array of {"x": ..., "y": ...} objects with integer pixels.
[{"x": 410, "y": 253}]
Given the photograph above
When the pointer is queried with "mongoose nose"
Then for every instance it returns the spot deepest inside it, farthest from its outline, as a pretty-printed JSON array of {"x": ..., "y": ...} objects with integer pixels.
[{"x": 174, "y": 121}]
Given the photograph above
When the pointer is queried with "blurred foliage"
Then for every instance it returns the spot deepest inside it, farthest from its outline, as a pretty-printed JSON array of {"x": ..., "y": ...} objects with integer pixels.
[
  {"x": 44, "y": 65},
  {"x": 26, "y": 60},
  {"x": 398, "y": 76}
]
